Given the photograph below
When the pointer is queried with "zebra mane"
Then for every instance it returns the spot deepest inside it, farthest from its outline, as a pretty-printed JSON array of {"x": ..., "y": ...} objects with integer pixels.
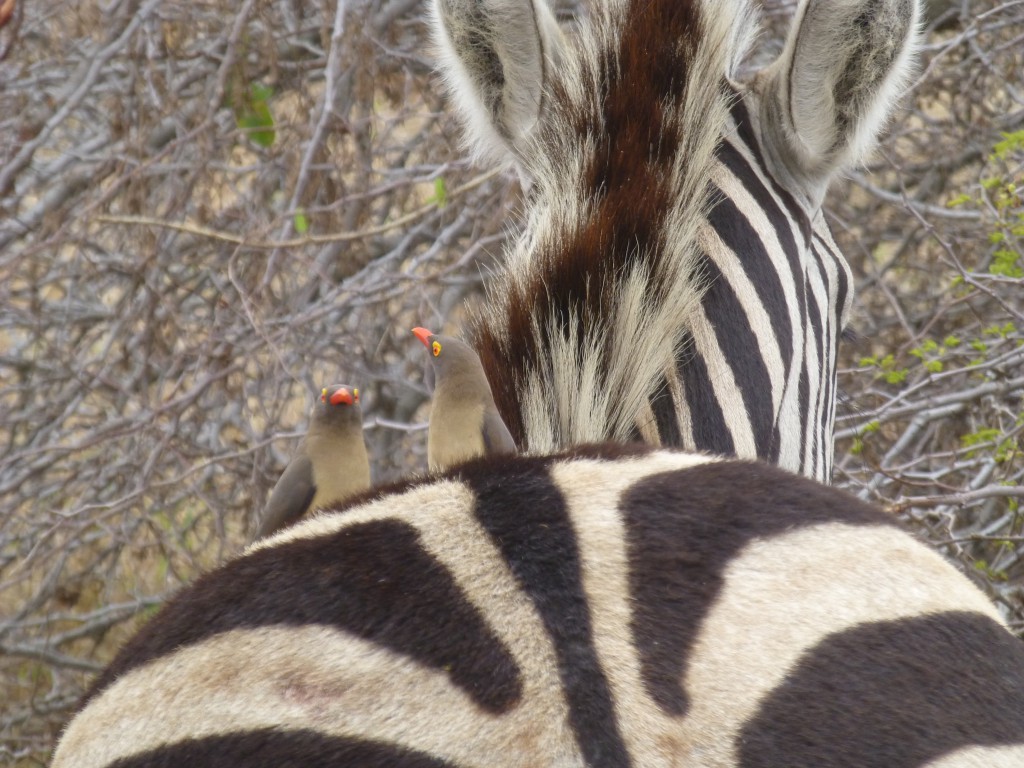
[{"x": 592, "y": 308}]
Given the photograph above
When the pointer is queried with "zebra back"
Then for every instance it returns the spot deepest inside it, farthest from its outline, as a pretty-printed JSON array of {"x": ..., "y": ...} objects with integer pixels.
[
  {"x": 607, "y": 607},
  {"x": 676, "y": 280}
]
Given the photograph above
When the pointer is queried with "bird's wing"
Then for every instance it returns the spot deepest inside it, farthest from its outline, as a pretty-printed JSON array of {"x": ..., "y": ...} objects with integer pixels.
[
  {"x": 290, "y": 498},
  {"x": 497, "y": 438}
]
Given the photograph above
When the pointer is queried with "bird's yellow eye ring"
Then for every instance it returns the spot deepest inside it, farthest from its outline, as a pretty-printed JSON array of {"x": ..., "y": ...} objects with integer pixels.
[
  {"x": 323, "y": 395},
  {"x": 436, "y": 348}
]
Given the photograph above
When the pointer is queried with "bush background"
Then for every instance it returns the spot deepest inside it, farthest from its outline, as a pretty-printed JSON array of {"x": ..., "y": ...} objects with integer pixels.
[{"x": 209, "y": 209}]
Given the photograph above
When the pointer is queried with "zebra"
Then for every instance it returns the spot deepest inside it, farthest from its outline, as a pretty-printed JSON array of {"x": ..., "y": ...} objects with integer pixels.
[
  {"x": 676, "y": 280},
  {"x": 612, "y": 604},
  {"x": 604, "y": 606}
]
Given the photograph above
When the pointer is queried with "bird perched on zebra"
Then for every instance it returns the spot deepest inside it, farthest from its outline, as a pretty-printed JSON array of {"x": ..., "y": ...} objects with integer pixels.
[
  {"x": 464, "y": 422},
  {"x": 676, "y": 280},
  {"x": 330, "y": 464},
  {"x": 608, "y": 606}
]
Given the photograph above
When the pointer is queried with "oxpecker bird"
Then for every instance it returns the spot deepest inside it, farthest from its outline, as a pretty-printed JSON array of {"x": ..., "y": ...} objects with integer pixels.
[
  {"x": 464, "y": 422},
  {"x": 330, "y": 465}
]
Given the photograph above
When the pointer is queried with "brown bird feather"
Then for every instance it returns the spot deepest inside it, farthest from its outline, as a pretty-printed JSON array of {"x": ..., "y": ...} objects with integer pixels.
[
  {"x": 330, "y": 465},
  {"x": 464, "y": 422}
]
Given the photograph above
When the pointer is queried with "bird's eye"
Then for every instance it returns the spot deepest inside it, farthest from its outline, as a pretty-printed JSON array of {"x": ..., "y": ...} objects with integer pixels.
[
  {"x": 323, "y": 395},
  {"x": 436, "y": 348}
]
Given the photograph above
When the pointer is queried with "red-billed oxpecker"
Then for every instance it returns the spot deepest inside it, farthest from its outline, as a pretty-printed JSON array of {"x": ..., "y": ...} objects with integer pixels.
[
  {"x": 464, "y": 422},
  {"x": 330, "y": 465}
]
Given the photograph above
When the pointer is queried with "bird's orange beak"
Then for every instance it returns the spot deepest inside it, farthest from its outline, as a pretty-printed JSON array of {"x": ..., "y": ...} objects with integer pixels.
[
  {"x": 423, "y": 335},
  {"x": 341, "y": 395}
]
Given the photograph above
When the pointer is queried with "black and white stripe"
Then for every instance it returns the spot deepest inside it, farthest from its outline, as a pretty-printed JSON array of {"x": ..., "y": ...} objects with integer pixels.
[
  {"x": 676, "y": 281},
  {"x": 607, "y": 607},
  {"x": 778, "y": 293}
]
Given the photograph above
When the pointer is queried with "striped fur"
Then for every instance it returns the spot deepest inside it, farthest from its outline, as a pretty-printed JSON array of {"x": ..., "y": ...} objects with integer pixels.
[
  {"x": 676, "y": 280},
  {"x": 609, "y": 607}
]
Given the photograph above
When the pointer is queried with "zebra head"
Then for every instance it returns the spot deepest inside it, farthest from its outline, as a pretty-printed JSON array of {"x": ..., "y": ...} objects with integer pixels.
[{"x": 676, "y": 281}]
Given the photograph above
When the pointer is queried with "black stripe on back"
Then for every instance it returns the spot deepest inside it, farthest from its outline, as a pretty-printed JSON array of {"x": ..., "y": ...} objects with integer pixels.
[
  {"x": 710, "y": 432},
  {"x": 822, "y": 253},
  {"x": 665, "y": 415},
  {"x": 270, "y": 748},
  {"x": 373, "y": 580},
  {"x": 746, "y": 242},
  {"x": 526, "y": 515},
  {"x": 740, "y": 348},
  {"x": 813, "y": 414},
  {"x": 684, "y": 527},
  {"x": 740, "y": 116},
  {"x": 895, "y": 694},
  {"x": 803, "y": 397},
  {"x": 775, "y": 446}
]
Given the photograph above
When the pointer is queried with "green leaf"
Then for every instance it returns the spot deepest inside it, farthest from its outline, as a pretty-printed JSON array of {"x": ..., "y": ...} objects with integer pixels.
[
  {"x": 300, "y": 222},
  {"x": 254, "y": 117},
  {"x": 951, "y": 341},
  {"x": 1002, "y": 331},
  {"x": 1004, "y": 262},
  {"x": 930, "y": 346},
  {"x": 1007, "y": 450},
  {"x": 259, "y": 126},
  {"x": 896, "y": 377},
  {"x": 958, "y": 200},
  {"x": 984, "y": 435},
  {"x": 261, "y": 92},
  {"x": 989, "y": 571},
  {"x": 1010, "y": 143},
  {"x": 934, "y": 366},
  {"x": 440, "y": 196}
]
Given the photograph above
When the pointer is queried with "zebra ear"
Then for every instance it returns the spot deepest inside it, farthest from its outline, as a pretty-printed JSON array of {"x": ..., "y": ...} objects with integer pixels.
[
  {"x": 832, "y": 89},
  {"x": 494, "y": 56}
]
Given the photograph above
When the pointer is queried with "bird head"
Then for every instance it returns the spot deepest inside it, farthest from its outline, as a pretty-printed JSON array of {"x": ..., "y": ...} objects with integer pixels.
[
  {"x": 430, "y": 340},
  {"x": 446, "y": 354},
  {"x": 425, "y": 336},
  {"x": 339, "y": 395},
  {"x": 450, "y": 359},
  {"x": 338, "y": 405}
]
